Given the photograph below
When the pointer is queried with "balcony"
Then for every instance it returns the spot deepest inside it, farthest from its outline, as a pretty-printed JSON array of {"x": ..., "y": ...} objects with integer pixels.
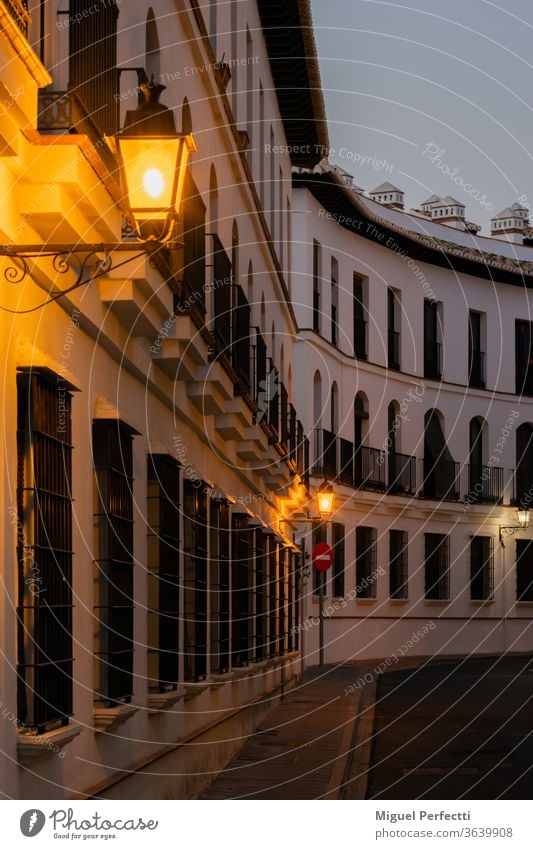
[
  {"x": 346, "y": 462},
  {"x": 393, "y": 360},
  {"x": 432, "y": 360},
  {"x": 359, "y": 339},
  {"x": 485, "y": 485},
  {"x": 441, "y": 480},
  {"x": 476, "y": 372},
  {"x": 402, "y": 474},
  {"x": 369, "y": 468},
  {"x": 18, "y": 9}
]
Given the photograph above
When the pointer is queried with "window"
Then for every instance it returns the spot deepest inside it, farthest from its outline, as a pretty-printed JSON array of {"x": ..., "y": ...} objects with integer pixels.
[
  {"x": 319, "y": 578},
  {"x": 476, "y": 357},
  {"x": 437, "y": 567},
  {"x": 398, "y": 564},
  {"x": 393, "y": 312},
  {"x": 524, "y": 358},
  {"x": 481, "y": 568},
  {"x": 359, "y": 319},
  {"x": 262, "y": 144},
  {"x": 113, "y": 609},
  {"x": 441, "y": 472},
  {"x": 365, "y": 562},
  {"x": 152, "y": 52},
  {"x": 272, "y": 187},
  {"x": 338, "y": 559},
  {"x": 334, "y": 301},
  {"x": 272, "y": 589},
  {"x": 44, "y": 550},
  {"x": 317, "y": 275},
  {"x": 212, "y": 25},
  {"x": 432, "y": 345},
  {"x": 523, "y": 479},
  {"x": 250, "y": 94},
  {"x": 219, "y": 586},
  {"x": 192, "y": 295},
  {"x": 524, "y": 570},
  {"x": 195, "y": 579},
  {"x": 241, "y": 591},
  {"x": 283, "y": 600},
  {"x": 163, "y": 517},
  {"x": 261, "y": 597}
]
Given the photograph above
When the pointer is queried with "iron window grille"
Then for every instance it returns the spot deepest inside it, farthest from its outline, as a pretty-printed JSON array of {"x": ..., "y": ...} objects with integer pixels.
[
  {"x": 481, "y": 568},
  {"x": 437, "y": 566},
  {"x": 113, "y": 468},
  {"x": 195, "y": 580},
  {"x": 524, "y": 570},
  {"x": 163, "y": 521},
  {"x": 365, "y": 562},
  {"x": 241, "y": 591},
  {"x": 398, "y": 564},
  {"x": 219, "y": 586},
  {"x": 272, "y": 585},
  {"x": 44, "y": 550}
]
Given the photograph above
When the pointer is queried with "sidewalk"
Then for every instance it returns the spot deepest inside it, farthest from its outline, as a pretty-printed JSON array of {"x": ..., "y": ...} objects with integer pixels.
[{"x": 302, "y": 751}]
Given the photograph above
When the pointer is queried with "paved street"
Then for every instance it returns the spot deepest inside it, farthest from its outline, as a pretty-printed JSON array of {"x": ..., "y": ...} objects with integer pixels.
[
  {"x": 302, "y": 750},
  {"x": 454, "y": 730}
]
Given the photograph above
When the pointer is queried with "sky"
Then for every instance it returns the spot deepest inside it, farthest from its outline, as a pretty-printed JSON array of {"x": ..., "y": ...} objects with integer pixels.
[{"x": 428, "y": 93}]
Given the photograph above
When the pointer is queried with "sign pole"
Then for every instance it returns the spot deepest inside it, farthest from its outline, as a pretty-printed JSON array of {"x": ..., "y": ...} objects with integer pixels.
[
  {"x": 322, "y": 560},
  {"x": 321, "y": 621}
]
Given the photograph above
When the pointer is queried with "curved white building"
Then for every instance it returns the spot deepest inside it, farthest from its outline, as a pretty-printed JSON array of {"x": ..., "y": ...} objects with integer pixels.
[{"x": 416, "y": 344}]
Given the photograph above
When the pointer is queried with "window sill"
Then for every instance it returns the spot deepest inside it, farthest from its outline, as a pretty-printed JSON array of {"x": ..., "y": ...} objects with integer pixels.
[
  {"x": 31, "y": 748},
  {"x": 196, "y": 688},
  {"x": 398, "y": 600},
  {"x": 437, "y": 601},
  {"x": 481, "y": 602},
  {"x": 108, "y": 718},
  {"x": 523, "y": 604},
  {"x": 160, "y": 702}
]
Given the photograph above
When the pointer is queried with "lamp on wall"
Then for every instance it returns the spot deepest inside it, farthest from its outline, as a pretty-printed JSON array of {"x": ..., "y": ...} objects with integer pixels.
[
  {"x": 522, "y": 517},
  {"x": 151, "y": 168}
]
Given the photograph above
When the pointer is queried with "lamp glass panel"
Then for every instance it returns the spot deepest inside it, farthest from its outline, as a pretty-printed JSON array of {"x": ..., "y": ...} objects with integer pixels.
[{"x": 149, "y": 167}]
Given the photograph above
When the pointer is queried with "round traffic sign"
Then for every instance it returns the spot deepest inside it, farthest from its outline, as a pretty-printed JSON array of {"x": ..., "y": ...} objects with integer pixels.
[{"x": 322, "y": 557}]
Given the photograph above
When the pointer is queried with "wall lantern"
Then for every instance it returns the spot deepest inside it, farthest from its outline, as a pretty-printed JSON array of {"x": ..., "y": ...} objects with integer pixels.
[
  {"x": 326, "y": 500},
  {"x": 522, "y": 517}
]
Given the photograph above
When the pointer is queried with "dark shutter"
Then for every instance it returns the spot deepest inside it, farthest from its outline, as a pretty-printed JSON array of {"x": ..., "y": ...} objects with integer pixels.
[
  {"x": 93, "y": 75},
  {"x": 195, "y": 579}
]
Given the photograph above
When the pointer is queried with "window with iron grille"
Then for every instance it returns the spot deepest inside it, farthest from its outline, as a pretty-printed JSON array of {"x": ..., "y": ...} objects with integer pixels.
[
  {"x": 398, "y": 564},
  {"x": 261, "y": 600},
  {"x": 93, "y": 73},
  {"x": 481, "y": 568},
  {"x": 44, "y": 550},
  {"x": 524, "y": 357},
  {"x": 317, "y": 276},
  {"x": 241, "y": 338},
  {"x": 113, "y": 469},
  {"x": 241, "y": 591},
  {"x": 163, "y": 521},
  {"x": 319, "y": 578},
  {"x": 365, "y": 562},
  {"x": 294, "y": 642},
  {"x": 194, "y": 266},
  {"x": 524, "y": 570},
  {"x": 282, "y": 596},
  {"x": 338, "y": 559},
  {"x": 222, "y": 285},
  {"x": 219, "y": 586},
  {"x": 195, "y": 579},
  {"x": 272, "y": 589},
  {"x": 291, "y": 587},
  {"x": 437, "y": 566}
]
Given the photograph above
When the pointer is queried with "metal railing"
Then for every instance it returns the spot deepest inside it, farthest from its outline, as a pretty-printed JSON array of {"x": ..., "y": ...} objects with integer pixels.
[
  {"x": 441, "y": 480},
  {"x": 325, "y": 462},
  {"x": 402, "y": 474},
  {"x": 485, "y": 484},
  {"x": 369, "y": 468}
]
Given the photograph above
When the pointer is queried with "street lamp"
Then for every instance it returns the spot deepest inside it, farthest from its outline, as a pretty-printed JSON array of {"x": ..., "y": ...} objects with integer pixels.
[
  {"x": 326, "y": 500},
  {"x": 522, "y": 517},
  {"x": 151, "y": 164},
  {"x": 152, "y": 159}
]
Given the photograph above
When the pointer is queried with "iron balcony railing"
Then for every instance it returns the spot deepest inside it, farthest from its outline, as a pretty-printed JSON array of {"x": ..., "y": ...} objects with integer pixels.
[
  {"x": 402, "y": 474},
  {"x": 325, "y": 462},
  {"x": 441, "y": 480},
  {"x": 394, "y": 350},
  {"x": 476, "y": 372},
  {"x": 369, "y": 468},
  {"x": 432, "y": 360},
  {"x": 346, "y": 462},
  {"x": 485, "y": 484}
]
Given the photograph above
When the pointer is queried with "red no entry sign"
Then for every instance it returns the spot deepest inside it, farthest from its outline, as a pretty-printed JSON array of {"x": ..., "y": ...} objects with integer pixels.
[{"x": 322, "y": 557}]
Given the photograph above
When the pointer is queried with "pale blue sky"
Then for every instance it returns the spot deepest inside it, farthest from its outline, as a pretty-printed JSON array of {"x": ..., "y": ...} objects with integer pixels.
[{"x": 399, "y": 76}]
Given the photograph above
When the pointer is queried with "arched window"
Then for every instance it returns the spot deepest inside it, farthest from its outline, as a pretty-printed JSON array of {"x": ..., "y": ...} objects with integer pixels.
[
  {"x": 263, "y": 314},
  {"x": 273, "y": 342},
  {"x": 250, "y": 285},
  {"x": 360, "y": 411},
  {"x": 334, "y": 411},
  {"x": 186, "y": 118},
  {"x": 441, "y": 472},
  {"x": 317, "y": 400},
  {"x": 152, "y": 60},
  {"x": 480, "y": 484}
]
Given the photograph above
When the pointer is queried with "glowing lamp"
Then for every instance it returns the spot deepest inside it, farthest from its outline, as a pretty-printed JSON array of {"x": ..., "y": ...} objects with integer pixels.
[{"x": 326, "y": 500}]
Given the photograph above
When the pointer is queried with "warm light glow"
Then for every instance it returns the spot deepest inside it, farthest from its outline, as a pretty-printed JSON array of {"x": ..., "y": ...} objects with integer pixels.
[
  {"x": 325, "y": 503},
  {"x": 523, "y": 518},
  {"x": 153, "y": 182}
]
